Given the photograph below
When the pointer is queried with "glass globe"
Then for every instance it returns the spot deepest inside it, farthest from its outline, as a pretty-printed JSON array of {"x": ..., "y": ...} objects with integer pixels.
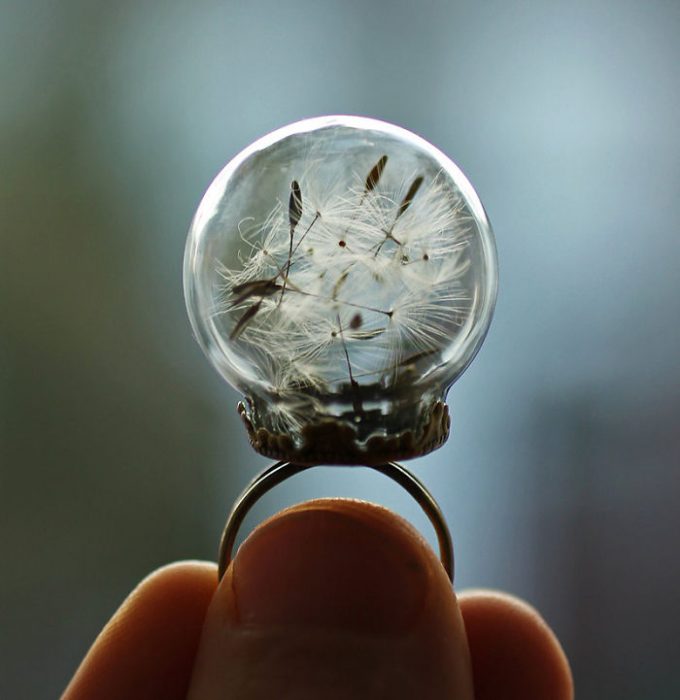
[{"x": 340, "y": 273}]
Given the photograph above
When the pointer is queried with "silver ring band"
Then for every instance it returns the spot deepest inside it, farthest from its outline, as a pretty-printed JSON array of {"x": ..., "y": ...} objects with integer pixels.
[{"x": 276, "y": 473}]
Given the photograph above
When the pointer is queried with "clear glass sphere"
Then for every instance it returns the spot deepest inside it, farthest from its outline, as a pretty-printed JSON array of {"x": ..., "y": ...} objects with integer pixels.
[{"x": 341, "y": 273}]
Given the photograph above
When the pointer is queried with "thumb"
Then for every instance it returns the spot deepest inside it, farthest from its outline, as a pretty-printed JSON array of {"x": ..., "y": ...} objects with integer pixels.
[{"x": 333, "y": 599}]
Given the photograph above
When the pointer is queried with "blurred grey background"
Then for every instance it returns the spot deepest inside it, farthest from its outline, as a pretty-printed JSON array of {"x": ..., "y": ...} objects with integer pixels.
[{"x": 120, "y": 448}]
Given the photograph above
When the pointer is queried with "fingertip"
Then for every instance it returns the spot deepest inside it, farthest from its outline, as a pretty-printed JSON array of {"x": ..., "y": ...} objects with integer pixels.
[
  {"x": 334, "y": 563},
  {"x": 177, "y": 582},
  {"x": 515, "y": 654},
  {"x": 337, "y": 598},
  {"x": 148, "y": 647}
]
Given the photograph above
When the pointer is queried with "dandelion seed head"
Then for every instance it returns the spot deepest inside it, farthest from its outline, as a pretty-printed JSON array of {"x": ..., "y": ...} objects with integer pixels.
[{"x": 340, "y": 269}]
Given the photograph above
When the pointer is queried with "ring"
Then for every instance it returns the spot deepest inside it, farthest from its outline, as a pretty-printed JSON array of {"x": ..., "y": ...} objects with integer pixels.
[
  {"x": 279, "y": 472},
  {"x": 341, "y": 274}
]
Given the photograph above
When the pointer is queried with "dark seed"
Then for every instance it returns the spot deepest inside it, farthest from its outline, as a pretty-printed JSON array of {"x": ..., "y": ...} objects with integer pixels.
[
  {"x": 263, "y": 288},
  {"x": 294, "y": 205},
  {"x": 247, "y": 316},
  {"x": 412, "y": 191},
  {"x": 375, "y": 175}
]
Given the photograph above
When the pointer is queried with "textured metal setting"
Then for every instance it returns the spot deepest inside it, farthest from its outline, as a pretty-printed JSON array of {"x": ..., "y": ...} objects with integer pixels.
[{"x": 332, "y": 441}]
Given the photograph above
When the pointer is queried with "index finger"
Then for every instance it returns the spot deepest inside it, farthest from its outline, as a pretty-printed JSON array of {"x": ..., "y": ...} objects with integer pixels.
[{"x": 148, "y": 647}]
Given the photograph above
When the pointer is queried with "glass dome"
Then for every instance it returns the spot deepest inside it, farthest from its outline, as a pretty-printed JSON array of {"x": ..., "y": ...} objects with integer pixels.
[{"x": 341, "y": 274}]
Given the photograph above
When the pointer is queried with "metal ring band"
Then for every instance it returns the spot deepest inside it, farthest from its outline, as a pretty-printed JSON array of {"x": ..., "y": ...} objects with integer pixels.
[{"x": 276, "y": 473}]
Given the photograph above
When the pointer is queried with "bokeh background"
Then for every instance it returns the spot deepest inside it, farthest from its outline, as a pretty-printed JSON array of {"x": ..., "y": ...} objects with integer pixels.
[{"x": 120, "y": 448}]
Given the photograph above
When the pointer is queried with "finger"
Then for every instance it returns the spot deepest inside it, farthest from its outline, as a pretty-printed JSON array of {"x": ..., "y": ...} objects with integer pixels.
[
  {"x": 334, "y": 599},
  {"x": 148, "y": 647},
  {"x": 515, "y": 655}
]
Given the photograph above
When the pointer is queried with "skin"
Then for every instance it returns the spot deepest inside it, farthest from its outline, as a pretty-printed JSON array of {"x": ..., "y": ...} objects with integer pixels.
[{"x": 332, "y": 598}]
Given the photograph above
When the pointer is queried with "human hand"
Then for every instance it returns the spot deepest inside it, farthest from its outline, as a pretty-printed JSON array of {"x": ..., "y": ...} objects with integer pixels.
[{"x": 329, "y": 599}]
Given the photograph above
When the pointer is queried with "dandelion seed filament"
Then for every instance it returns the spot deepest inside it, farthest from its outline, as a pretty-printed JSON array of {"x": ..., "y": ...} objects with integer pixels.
[{"x": 294, "y": 214}]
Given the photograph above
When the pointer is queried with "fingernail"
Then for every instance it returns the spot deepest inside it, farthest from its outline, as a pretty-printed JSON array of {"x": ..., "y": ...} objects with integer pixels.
[{"x": 335, "y": 564}]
